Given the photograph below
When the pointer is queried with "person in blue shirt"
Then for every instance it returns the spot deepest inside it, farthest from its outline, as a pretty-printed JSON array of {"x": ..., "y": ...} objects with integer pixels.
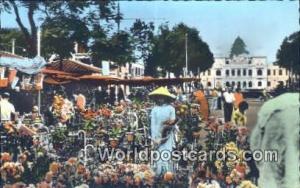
[{"x": 163, "y": 119}]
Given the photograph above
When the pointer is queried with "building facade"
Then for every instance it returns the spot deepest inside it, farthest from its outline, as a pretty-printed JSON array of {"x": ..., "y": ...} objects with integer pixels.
[{"x": 247, "y": 73}]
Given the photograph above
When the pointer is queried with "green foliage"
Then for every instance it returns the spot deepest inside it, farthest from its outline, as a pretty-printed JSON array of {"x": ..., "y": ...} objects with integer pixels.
[
  {"x": 117, "y": 48},
  {"x": 60, "y": 34},
  {"x": 288, "y": 53},
  {"x": 238, "y": 47},
  {"x": 64, "y": 22},
  {"x": 168, "y": 51},
  {"x": 143, "y": 36},
  {"x": 6, "y": 37}
]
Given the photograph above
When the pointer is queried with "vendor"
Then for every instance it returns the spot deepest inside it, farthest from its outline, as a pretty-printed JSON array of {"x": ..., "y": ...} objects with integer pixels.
[
  {"x": 162, "y": 119},
  {"x": 6, "y": 108},
  {"x": 201, "y": 99},
  {"x": 35, "y": 116}
]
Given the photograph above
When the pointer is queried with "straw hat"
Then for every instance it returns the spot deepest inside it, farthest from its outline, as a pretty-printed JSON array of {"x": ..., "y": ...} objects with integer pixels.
[{"x": 162, "y": 91}]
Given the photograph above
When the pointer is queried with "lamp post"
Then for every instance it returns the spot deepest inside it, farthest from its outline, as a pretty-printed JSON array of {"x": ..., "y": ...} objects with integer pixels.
[
  {"x": 13, "y": 41},
  {"x": 186, "y": 54},
  {"x": 39, "y": 54}
]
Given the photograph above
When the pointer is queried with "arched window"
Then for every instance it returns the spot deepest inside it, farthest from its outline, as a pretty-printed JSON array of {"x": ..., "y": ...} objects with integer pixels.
[
  {"x": 280, "y": 72},
  {"x": 232, "y": 84},
  {"x": 232, "y": 72},
  {"x": 250, "y": 84},
  {"x": 208, "y": 84},
  {"x": 259, "y": 72},
  {"x": 239, "y": 84},
  {"x": 250, "y": 72},
  {"x": 244, "y": 72},
  {"x": 227, "y": 84},
  {"x": 244, "y": 84},
  {"x": 227, "y": 72},
  {"x": 218, "y": 72},
  {"x": 259, "y": 83},
  {"x": 239, "y": 72}
]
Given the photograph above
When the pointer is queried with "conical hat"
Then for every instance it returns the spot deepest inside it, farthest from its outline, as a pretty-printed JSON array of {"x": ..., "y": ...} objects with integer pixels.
[{"x": 162, "y": 91}]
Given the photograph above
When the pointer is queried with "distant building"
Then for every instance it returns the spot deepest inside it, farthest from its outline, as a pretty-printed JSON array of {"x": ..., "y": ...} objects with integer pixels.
[
  {"x": 245, "y": 72},
  {"x": 131, "y": 70}
]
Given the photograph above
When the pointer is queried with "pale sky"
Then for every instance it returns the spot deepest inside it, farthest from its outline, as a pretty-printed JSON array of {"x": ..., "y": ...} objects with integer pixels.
[{"x": 262, "y": 25}]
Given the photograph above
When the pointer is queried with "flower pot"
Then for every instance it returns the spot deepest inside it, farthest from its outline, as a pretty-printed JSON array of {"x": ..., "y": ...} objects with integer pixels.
[
  {"x": 130, "y": 136},
  {"x": 114, "y": 142}
]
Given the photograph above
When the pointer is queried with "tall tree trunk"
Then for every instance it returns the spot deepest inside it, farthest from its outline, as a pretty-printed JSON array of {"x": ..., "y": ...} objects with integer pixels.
[{"x": 30, "y": 38}]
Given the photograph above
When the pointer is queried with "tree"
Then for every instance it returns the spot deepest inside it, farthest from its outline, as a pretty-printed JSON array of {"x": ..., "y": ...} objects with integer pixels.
[
  {"x": 168, "y": 51},
  {"x": 117, "y": 48},
  {"x": 238, "y": 47},
  {"x": 6, "y": 37},
  {"x": 60, "y": 34},
  {"x": 288, "y": 53},
  {"x": 30, "y": 34},
  {"x": 142, "y": 34},
  {"x": 66, "y": 15}
]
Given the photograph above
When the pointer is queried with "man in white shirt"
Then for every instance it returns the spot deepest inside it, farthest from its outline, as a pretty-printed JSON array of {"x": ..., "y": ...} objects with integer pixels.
[
  {"x": 228, "y": 104},
  {"x": 6, "y": 108}
]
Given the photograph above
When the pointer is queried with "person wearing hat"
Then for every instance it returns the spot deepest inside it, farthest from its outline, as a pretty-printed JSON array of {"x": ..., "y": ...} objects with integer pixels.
[
  {"x": 163, "y": 117},
  {"x": 6, "y": 108}
]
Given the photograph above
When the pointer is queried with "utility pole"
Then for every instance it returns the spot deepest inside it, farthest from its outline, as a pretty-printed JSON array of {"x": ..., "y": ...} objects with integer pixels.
[
  {"x": 13, "y": 41},
  {"x": 186, "y": 55},
  {"x": 39, "y": 54}
]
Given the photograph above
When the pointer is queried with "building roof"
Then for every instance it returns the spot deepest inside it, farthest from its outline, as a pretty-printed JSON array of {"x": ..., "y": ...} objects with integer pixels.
[
  {"x": 73, "y": 66},
  {"x": 8, "y": 54}
]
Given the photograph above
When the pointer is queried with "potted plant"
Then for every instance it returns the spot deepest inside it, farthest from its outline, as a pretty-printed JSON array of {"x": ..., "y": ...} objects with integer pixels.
[{"x": 114, "y": 136}]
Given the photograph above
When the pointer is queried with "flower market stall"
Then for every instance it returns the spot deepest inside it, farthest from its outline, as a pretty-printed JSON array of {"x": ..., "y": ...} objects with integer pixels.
[{"x": 73, "y": 143}]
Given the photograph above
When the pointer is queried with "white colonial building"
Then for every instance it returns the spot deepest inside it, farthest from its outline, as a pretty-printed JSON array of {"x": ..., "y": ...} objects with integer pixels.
[{"x": 245, "y": 72}]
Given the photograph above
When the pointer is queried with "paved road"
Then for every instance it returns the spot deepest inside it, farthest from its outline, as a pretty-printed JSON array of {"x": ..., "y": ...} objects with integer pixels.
[{"x": 254, "y": 107}]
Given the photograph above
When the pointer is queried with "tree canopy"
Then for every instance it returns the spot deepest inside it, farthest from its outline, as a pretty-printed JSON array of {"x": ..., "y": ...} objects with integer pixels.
[
  {"x": 168, "y": 51},
  {"x": 288, "y": 53},
  {"x": 92, "y": 25},
  {"x": 238, "y": 47}
]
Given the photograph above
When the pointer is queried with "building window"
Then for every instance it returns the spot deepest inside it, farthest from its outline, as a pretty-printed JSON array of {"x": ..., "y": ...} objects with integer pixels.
[
  {"x": 239, "y": 72},
  {"x": 280, "y": 72},
  {"x": 259, "y": 72},
  {"x": 239, "y": 84},
  {"x": 269, "y": 83},
  {"x": 232, "y": 72},
  {"x": 227, "y": 62},
  {"x": 244, "y": 72},
  {"x": 218, "y": 72},
  {"x": 250, "y": 84},
  {"x": 227, "y": 84},
  {"x": 227, "y": 72},
  {"x": 203, "y": 73},
  {"x": 250, "y": 72},
  {"x": 232, "y": 84},
  {"x": 259, "y": 84},
  {"x": 274, "y": 72},
  {"x": 269, "y": 72},
  {"x": 208, "y": 72},
  {"x": 249, "y": 62},
  {"x": 208, "y": 84},
  {"x": 244, "y": 84}
]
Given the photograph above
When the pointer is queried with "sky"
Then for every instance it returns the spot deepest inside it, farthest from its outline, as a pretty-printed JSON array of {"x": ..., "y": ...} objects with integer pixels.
[{"x": 261, "y": 24}]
